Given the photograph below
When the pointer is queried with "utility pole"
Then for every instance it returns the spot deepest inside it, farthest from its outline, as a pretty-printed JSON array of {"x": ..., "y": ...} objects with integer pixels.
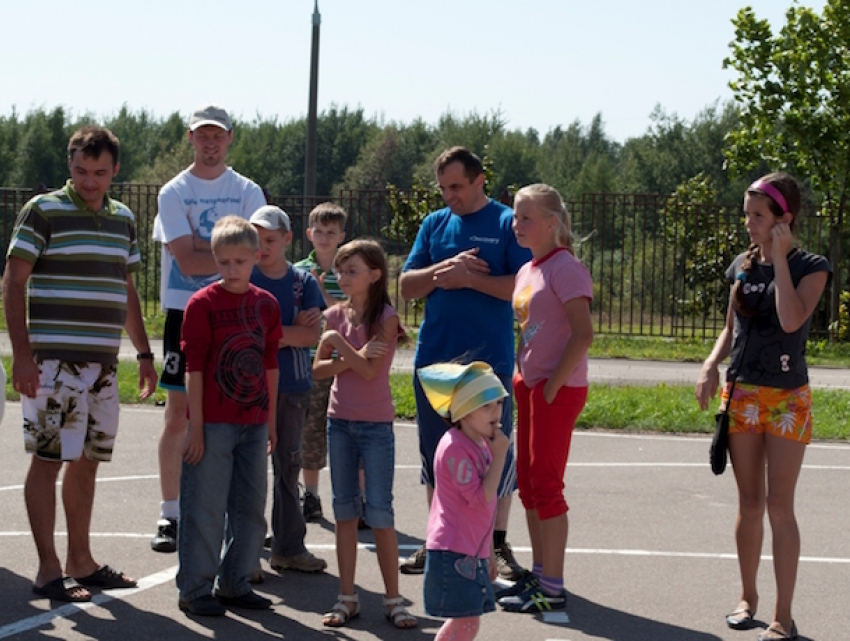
[{"x": 312, "y": 117}]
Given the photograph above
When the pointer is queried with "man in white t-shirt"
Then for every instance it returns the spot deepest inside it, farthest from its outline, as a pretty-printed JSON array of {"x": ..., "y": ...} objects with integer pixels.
[{"x": 188, "y": 207}]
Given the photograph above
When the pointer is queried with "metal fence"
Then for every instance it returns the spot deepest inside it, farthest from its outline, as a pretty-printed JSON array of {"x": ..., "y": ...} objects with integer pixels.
[{"x": 657, "y": 264}]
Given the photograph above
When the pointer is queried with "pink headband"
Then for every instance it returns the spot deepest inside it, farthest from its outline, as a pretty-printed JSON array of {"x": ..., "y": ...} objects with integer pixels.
[{"x": 773, "y": 192}]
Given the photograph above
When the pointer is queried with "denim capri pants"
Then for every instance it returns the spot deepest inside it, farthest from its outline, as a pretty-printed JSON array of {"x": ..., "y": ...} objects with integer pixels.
[{"x": 373, "y": 444}]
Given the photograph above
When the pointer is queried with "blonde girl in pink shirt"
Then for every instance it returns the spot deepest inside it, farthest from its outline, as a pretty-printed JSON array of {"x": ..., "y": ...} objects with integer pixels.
[
  {"x": 362, "y": 332},
  {"x": 551, "y": 301}
]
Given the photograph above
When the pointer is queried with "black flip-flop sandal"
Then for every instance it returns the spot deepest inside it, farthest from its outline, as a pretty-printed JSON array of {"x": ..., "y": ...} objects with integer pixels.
[
  {"x": 62, "y": 590},
  {"x": 106, "y": 578}
]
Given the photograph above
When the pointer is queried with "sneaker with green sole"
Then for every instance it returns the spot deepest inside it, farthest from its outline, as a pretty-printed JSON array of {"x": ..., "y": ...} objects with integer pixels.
[
  {"x": 533, "y": 599},
  {"x": 512, "y": 590}
]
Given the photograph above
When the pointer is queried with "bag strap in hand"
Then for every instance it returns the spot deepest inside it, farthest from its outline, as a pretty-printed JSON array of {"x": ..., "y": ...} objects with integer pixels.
[{"x": 743, "y": 350}]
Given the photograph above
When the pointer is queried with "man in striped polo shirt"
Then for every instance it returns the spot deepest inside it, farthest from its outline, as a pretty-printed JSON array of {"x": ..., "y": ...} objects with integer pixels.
[{"x": 73, "y": 251}]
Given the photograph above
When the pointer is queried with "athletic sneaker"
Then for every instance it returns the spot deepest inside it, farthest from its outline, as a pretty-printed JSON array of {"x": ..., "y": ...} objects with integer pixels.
[
  {"x": 304, "y": 562},
  {"x": 312, "y": 507},
  {"x": 533, "y": 599},
  {"x": 165, "y": 539},
  {"x": 415, "y": 563},
  {"x": 506, "y": 566},
  {"x": 525, "y": 580}
]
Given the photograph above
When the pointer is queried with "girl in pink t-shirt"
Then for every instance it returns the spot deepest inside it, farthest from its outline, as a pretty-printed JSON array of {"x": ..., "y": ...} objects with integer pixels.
[
  {"x": 551, "y": 300},
  {"x": 362, "y": 332},
  {"x": 467, "y": 467}
]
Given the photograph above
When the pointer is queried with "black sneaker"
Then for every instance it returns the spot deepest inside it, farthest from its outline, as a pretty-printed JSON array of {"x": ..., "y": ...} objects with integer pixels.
[
  {"x": 506, "y": 566},
  {"x": 525, "y": 580},
  {"x": 533, "y": 599},
  {"x": 312, "y": 507},
  {"x": 249, "y": 601},
  {"x": 415, "y": 563},
  {"x": 165, "y": 539},
  {"x": 203, "y": 606}
]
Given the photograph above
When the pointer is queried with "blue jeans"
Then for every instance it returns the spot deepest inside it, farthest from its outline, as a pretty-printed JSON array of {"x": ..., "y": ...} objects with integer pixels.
[
  {"x": 349, "y": 443},
  {"x": 223, "y": 496}
]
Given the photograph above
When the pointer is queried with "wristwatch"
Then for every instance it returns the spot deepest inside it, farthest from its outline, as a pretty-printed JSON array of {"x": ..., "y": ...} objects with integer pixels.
[{"x": 144, "y": 356}]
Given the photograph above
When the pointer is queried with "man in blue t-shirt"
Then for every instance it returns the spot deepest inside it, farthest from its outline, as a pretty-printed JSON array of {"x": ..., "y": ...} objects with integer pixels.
[{"x": 463, "y": 263}]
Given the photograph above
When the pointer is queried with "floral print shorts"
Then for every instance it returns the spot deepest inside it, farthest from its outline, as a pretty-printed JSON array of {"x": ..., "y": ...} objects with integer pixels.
[{"x": 786, "y": 413}]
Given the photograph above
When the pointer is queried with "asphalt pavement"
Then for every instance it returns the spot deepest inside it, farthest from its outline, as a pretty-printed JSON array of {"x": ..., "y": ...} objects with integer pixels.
[{"x": 651, "y": 551}]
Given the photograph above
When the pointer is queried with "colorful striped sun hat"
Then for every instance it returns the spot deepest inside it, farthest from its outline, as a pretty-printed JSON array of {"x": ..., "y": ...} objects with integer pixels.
[{"x": 455, "y": 390}]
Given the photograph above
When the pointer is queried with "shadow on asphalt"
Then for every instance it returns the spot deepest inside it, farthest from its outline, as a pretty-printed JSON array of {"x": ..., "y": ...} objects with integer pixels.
[{"x": 601, "y": 622}]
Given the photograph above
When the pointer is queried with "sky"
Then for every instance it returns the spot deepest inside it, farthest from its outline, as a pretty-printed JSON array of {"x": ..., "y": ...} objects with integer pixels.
[{"x": 537, "y": 63}]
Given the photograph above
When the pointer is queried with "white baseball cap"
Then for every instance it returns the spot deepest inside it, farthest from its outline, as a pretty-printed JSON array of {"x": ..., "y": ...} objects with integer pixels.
[
  {"x": 271, "y": 217},
  {"x": 210, "y": 115}
]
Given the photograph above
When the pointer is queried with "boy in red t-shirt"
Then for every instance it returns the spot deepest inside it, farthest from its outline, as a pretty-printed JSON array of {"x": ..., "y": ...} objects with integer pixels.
[{"x": 230, "y": 337}]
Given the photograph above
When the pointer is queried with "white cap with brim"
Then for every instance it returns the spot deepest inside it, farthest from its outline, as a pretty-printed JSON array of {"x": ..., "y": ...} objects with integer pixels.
[
  {"x": 210, "y": 115},
  {"x": 271, "y": 217}
]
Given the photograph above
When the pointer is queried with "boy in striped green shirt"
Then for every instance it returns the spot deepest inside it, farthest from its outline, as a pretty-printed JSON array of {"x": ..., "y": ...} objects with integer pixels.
[{"x": 326, "y": 230}]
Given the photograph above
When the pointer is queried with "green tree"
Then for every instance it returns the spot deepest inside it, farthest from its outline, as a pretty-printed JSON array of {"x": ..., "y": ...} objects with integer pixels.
[
  {"x": 707, "y": 239},
  {"x": 793, "y": 90},
  {"x": 271, "y": 154},
  {"x": 389, "y": 158},
  {"x": 341, "y": 135},
  {"x": 10, "y": 133},
  {"x": 579, "y": 159},
  {"x": 514, "y": 156},
  {"x": 166, "y": 165},
  {"x": 674, "y": 150},
  {"x": 136, "y": 132},
  {"x": 40, "y": 156}
]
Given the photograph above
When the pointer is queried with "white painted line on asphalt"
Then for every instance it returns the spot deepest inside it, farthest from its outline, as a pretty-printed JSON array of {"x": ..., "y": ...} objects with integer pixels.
[
  {"x": 730, "y": 556},
  {"x": 693, "y": 555},
  {"x": 417, "y": 467},
  {"x": 69, "y": 609},
  {"x": 330, "y": 547},
  {"x": 843, "y": 468},
  {"x": 106, "y": 479},
  {"x": 102, "y": 535},
  {"x": 683, "y": 437},
  {"x": 558, "y": 618}
]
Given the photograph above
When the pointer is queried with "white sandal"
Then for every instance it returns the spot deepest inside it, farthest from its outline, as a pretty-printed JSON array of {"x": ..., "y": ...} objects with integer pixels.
[
  {"x": 341, "y": 613},
  {"x": 398, "y": 615}
]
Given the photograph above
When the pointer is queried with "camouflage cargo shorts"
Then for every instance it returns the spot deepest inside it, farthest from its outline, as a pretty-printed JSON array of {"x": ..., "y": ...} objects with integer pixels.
[
  {"x": 314, "y": 438},
  {"x": 75, "y": 410}
]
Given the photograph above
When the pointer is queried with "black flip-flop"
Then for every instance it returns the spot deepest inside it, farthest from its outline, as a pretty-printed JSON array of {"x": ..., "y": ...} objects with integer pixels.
[
  {"x": 61, "y": 590},
  {"x": 740, "y": 619},
  {"x": 106, "y": 578},
  {"x": 772, "y": 634}
]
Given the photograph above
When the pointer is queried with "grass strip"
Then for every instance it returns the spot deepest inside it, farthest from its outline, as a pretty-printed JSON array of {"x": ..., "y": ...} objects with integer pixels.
[{"x": 660, "y": 408}]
